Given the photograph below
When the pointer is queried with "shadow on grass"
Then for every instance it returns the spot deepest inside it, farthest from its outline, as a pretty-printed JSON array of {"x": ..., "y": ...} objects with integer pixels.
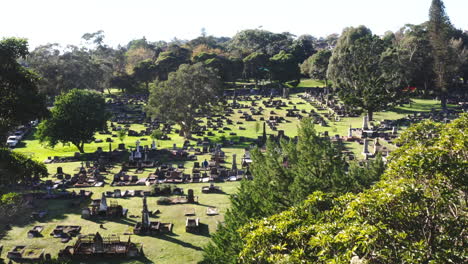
[
  {"x": 123, "y": 220},
  {"x": 204, "y": 230},
  {"x": 142, "y": 259},
  {"x": 172, "y": 239}
]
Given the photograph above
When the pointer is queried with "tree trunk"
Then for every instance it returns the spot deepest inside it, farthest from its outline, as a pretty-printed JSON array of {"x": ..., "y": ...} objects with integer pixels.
[
  {"x": 443, "y": 101},
  {"x": 370, "y": 115},
  {"x": 79, "y": 146},
  {"x": 185, "y": 131}
]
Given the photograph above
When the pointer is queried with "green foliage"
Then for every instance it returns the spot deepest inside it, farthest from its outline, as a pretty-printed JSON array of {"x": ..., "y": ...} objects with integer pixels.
[
  {"x": 124, "y": 82},
  {"x": 284, "y": 68},
  {"x": 416, "y": 214},
  {"x": 316, "y": 66},
  {"x": 157, "y": 134},
  {"x": 11, "y": 204},
  {"x": 365, "y": 72},
  {"x": 75, "y": 117},
  {"x": 122, "y": 134},
  {"x": 262, "y": 41},
  {"x": 20, "y": 101},
  {"x": 257, "y": 127},
  {"x": 256, "y": 66},
  {"x": 284, "y": 176},
  {"x": 190, "y": 91},
  {"x": 170, "y": 60},
  {"x": 17, "y": 168},
  {"x": 145, "y": 72},
  {"x": 10, "y": 198},
  {"x": 445, "y": 67},
  {"x": 415, "y": 54}
]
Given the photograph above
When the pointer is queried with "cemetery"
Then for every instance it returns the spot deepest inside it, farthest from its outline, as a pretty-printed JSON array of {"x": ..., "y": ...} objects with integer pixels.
[
  {"x": 165, "y": 172},
  {"x": 258, "y": 147}
]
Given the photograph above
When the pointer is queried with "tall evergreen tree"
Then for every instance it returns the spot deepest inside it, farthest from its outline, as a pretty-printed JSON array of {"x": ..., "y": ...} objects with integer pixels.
[
  {"x": 283, "y": 177},
  {"x": 439, "y": 35}
]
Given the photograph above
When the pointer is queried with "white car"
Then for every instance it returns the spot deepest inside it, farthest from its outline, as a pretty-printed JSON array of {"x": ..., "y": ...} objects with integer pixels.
[{"x": 12, "y": 141}]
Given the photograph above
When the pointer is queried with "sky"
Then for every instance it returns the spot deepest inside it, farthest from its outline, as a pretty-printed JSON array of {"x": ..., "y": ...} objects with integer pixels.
[{"x": 65, "y": 21}]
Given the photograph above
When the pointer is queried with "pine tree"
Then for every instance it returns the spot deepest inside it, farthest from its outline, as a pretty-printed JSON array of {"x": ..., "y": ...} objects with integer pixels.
[
  {"x": 283, "y": 176},
  {"x": 439, "y": 34}
]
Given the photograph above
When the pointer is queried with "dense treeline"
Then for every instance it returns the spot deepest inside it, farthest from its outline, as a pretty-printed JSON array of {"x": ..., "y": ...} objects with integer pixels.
[{"x": 432, "y": 57}]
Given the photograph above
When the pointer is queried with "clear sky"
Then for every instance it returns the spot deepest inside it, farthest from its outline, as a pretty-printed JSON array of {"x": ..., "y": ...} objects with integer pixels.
[{"x": 65, "y": 21}]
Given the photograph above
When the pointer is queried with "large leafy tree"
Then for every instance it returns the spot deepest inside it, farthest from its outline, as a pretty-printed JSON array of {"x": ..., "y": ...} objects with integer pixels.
[
  {"x": 415, "y": 56},
  {"x": 20, "y": 101},
  {"x": 189, "y": 92},
  {"x": 417, "y": 213},
  {"x": 284, "y": 176},
  {"x": 303, "y": 47},
  {"x": 45, "y": 60},
  {"x": 75, "y": 117},
  {"x": 170, "y": 60},
  {"x": 365, "y": 72},
  {"x": 316, "y": 66},
  {"x": 257, "y": 40},
  {"x": 285, "y": 69},
  {"x": 256, "y": 66},
  {"x": 145, "y": 72}
]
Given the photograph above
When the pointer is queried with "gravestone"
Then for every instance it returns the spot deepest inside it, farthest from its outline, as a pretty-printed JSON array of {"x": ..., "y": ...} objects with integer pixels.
[
  {"x": 190, "y": 196},
  {"x": 365, "y": 123},
  {"x": 366, "y": 147}
]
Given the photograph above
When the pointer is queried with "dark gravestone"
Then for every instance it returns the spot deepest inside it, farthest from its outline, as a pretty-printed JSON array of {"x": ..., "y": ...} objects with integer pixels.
[
  {"x": 190, "y": 196},
  {"x": 59, "y": 170}
]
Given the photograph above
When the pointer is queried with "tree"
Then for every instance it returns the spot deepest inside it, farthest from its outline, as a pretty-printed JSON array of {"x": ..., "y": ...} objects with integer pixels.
[
  {"x": 78, "y": 69},
  {"x": 283, "y": 176},
  {"x": 256, "y": 66},
  {"x": 145, "y": 72},
  {"x": 45, "y": 61},
  {"x": 284, "y": 68},
  {"x": 316, "y": 66},
  {"x": 439, "y": 36},
  {"x": 16, "y": 168},
  {"x": 170, "y": 60},
  {"x": 302, "y": 48},
  {"x": 188, "y": 93},
  {"x": 256, "y": 40},
  {"x": 415, "y": 214},
  {"x": 365, "y": 72},
  {"x": 75, "y": 117},
  {"x": 124, "y": 82},
  {"x": 414, "y": 54},
  {"x": 20, "y": 101}
]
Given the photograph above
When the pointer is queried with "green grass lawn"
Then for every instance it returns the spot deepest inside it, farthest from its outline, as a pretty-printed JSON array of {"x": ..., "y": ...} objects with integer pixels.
[{"x": 180, "y": 247}]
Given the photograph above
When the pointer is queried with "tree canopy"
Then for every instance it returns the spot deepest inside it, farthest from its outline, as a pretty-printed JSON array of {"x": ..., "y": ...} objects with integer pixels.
[
  {"x": 188, "y": 92},
  {"x": 20, "y": 100},
  {"x": 316, "y": 66},
  {"x": 75, "y": 118},
  {"x": 365, "y": 72}
]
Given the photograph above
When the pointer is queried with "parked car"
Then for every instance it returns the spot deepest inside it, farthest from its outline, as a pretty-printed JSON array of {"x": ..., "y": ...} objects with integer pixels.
[
  {"x": 12, "y": 141},
  {"x": 19, "y": 135}
]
